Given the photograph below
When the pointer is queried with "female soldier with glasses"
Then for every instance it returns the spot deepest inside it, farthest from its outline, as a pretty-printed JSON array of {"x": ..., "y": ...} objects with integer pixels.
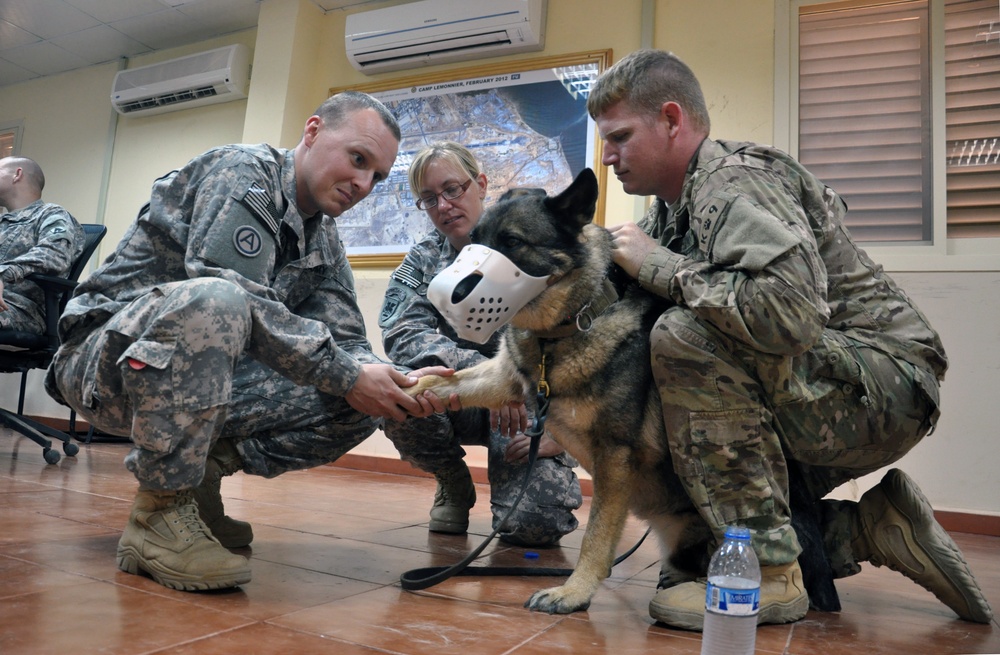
[{"x": 448, "y": 184}]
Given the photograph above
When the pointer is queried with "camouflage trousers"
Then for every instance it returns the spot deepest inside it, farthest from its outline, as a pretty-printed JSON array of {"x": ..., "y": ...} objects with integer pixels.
[
  {"x": 13, "y": 318},
  {"x": 544, "y": 514},
  {"x": 736, "y": 419},
  {"x": 171, "y": 372}
]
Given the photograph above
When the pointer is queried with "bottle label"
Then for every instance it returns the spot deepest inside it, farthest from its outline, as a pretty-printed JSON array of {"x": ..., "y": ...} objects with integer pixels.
[{"x": 735, "y": 602}]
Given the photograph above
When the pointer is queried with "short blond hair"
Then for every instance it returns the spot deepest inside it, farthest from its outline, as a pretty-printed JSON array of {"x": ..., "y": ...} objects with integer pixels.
[
  {"x": 449, "y": 151},
  {"x": 645, "y": 79}
]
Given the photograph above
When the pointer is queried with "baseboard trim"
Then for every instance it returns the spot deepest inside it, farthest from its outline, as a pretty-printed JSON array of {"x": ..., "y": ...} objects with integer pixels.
[
  {"x": 376, "y": 464},
  {"x": 982, "y": 524},
  {"x": 60, "y": 423}
]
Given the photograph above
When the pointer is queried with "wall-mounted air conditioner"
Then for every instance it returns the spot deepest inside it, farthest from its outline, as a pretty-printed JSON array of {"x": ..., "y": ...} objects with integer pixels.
[
  {"x": 206, "y": 78},
  {"x": 441, "y": 31}
]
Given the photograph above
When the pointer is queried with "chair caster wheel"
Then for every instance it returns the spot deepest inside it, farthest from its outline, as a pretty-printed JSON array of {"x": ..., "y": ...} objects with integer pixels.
[{"x": 51, "y": 456}]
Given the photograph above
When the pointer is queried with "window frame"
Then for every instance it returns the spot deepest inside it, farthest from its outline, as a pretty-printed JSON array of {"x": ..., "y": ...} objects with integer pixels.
[
  {"x": 17, "y": 129},
  {"x": 942, "y": 254}
]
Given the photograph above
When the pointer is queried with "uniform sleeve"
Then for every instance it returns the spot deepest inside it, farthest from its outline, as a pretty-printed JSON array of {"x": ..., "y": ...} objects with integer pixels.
[
  {"x": 59, "y": 240},
  {"x": 333, "y": 346},
  {"x": 334, "y": 302},
  {"x": 758, "y": 277},
  {"x": 227, "y": 237},
  {"x": 410, "y": 323},
  {"x": 230, "y": 236}
]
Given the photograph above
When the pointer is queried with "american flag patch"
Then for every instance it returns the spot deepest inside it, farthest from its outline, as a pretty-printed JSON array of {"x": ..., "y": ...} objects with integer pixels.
[
  {"x": 408, "y": 275},
  {"x": 259, "y": 202}
]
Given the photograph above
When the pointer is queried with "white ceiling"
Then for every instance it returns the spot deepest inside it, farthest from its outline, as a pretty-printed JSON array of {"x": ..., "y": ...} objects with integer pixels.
[{"x": 45, "y": 37}]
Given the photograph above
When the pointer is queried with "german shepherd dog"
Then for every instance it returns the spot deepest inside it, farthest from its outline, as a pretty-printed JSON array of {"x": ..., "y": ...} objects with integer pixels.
[{"x": 590, "y": 349}]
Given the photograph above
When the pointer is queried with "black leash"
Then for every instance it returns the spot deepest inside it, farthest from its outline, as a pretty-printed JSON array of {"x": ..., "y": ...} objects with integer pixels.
[{"x": 417, "y": 579}]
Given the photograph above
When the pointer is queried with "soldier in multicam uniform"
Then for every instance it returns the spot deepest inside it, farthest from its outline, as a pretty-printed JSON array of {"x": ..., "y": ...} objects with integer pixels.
[
  {"x": 224, "y": 334},
  {"x": 450, "y": 187},
  {"x": 35, "y": 237},
  {"x": 786, "y": 348}
]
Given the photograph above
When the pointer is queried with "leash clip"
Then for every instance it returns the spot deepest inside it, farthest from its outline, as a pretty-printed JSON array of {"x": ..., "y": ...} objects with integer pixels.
[
  {"x": 543, "y": 384},
  {"x": 583, "y": 320}
]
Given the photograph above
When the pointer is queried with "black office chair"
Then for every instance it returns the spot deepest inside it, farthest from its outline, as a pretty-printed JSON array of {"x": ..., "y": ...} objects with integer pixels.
[{"x": 22, "y": 351}]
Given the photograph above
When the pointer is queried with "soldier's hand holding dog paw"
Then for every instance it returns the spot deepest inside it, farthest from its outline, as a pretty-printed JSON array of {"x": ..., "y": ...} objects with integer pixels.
[
  {"x": 378, "y": 391},
  {"x": 427, "y": 397}
]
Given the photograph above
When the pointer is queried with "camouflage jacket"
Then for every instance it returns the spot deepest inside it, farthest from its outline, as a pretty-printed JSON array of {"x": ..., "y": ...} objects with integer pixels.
[
  {"x": 231, "y": 213},
  {"x": 756, "y": 246},
  {"x": 40, "y": 238},
  {"x": 414, "y": 333}
]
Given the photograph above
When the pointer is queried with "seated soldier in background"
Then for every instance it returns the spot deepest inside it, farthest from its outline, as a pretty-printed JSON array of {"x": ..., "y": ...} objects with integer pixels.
[{"x": 35, "y": 237}]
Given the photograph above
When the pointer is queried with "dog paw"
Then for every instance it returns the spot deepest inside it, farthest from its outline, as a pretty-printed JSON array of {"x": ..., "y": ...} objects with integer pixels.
[
  {"x": 556, "y": 600},
  {"x": 423, "y": 384}
]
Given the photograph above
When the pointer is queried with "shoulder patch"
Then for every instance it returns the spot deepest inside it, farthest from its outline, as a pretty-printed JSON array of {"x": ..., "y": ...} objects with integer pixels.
[
  {"x": 248, "y": 241},
  {"x": 391, "y": 306},
  {"x": 706, "y": 218},
  {"x": 260, "y": 203},
  {"x": 734, "y": 231}
]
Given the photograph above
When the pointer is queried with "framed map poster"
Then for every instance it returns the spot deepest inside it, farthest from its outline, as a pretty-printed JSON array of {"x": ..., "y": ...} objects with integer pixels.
[{"x": 526, "y": 122}]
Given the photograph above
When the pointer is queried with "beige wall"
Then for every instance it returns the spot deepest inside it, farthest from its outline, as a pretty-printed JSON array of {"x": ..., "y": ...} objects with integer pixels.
[
  {"x": 66, "y": 128},
  {"x": 298, "y": 56}
]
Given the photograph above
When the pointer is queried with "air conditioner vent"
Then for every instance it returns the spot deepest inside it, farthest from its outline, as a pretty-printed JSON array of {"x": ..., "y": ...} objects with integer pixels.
[
  {"x": 438, "y": 31},
  {"x": 206, "y": 78}
]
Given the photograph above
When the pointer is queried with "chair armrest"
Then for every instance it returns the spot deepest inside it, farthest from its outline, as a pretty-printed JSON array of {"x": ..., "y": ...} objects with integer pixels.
[
  {"x": 57, "y": 291},
  {"x": 52, "y": 283}
]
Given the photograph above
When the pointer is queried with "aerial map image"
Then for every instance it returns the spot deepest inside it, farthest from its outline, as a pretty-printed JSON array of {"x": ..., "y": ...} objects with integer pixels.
[{"x": 526, "y": 129}]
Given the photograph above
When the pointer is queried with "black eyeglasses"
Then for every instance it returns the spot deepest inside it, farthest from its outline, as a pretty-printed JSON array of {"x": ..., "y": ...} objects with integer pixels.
[{"x": 451, "y": 192}]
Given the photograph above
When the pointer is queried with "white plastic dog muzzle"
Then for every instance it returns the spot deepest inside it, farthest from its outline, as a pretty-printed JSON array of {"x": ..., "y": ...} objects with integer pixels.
[{"x": 482, "y": 290}]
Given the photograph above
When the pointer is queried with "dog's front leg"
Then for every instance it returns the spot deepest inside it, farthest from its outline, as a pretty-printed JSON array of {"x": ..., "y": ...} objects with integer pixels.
[
  {"x": 608, "y": 511},
  {"x": 493, "y": 384}
]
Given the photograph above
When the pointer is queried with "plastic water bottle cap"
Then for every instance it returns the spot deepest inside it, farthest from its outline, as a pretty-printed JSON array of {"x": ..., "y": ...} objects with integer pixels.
[{"x": 738, "y": 532}]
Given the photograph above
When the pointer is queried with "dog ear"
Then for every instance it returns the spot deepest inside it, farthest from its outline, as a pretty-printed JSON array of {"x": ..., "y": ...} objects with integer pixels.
[{"x": 578, "y": 201}]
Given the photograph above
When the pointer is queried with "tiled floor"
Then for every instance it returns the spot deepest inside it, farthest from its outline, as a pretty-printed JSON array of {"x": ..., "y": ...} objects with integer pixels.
[{"x": 330, "y": 546}]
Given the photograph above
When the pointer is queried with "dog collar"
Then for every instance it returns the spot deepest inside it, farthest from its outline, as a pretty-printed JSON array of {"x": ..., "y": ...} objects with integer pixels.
[{"x": 584, "y": 319}]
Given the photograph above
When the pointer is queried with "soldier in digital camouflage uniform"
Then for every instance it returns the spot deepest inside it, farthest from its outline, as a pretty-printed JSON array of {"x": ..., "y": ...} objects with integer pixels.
[
  {"x": 450, "y": 187},
  {"x": 224, "y": 334},
  {"x": 35, "y": 237},
  {"x": 786, "y": 348}
]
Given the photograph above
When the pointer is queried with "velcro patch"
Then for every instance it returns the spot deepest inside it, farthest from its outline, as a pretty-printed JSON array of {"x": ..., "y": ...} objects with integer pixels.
[
  {"x": 408, "y": 276},
  {"x": 260, "y": 203}
]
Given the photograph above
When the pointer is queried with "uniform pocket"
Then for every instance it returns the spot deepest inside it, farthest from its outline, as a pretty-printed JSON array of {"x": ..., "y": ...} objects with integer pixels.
[
  {"x": 147, "y": 375},
  {"x": 731, "y": 465}
]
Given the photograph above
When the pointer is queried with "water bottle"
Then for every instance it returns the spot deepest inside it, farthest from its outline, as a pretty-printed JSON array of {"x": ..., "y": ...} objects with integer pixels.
[{"x": 733, "y": 597}]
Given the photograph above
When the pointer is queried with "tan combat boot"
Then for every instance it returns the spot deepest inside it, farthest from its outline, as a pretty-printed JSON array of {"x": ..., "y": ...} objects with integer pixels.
[
  {"x": 454, "y": 498},
  {"x": 167, "y": 539},
  {"x": 222, "y": 460},
  {"x": 783, "y": 599},
  {"x": 896, "y": 527}
]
